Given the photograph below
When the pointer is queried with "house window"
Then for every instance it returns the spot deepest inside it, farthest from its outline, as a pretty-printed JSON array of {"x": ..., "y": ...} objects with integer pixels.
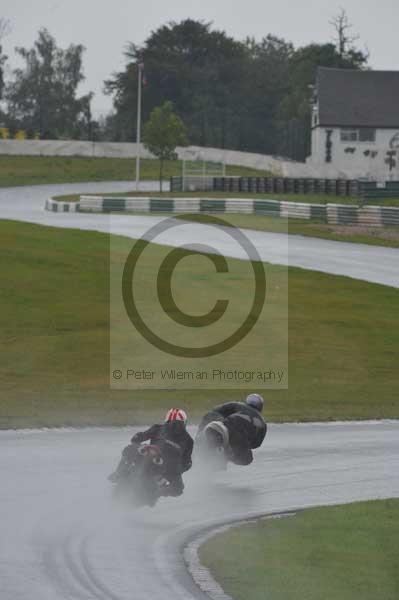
[
  {"x": 349, "y": 135},
  {"x": 364, "y": 134}
]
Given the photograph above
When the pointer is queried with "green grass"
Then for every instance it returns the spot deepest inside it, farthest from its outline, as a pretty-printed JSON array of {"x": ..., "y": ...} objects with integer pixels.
[
  {"x": 30, "y": 170},
  {"x": 376, "y": 236},
  {"x": 54, "y": 323},
  {"x": 338, "y": 553}
]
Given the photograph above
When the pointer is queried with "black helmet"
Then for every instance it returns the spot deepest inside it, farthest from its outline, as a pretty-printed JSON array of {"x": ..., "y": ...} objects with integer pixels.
[{"x": 256, "y": 401}]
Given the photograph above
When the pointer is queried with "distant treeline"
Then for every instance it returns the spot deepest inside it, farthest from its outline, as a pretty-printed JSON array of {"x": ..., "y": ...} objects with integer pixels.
[{"x": 245, "y": 95}]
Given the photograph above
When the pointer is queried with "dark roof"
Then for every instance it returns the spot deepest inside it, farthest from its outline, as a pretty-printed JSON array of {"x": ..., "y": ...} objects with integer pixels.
[{"x": 358, "y": 98}]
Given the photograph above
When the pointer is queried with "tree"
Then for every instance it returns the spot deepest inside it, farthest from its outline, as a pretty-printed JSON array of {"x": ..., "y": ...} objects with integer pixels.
[
  {"x": 4, "y": 30},
  {"x": 162, "y": 133},
  {"x": 197, "y": 69},
  {"x": 344, "y": 41},
  {"x": 266, "y": 84},
  {"x": 3, "y": 59},
  {"x": 43, "y": 95}
]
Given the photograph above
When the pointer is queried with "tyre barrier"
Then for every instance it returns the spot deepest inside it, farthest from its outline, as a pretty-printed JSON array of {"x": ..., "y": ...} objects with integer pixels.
[
  {"x": 273, "y": 185},
  {"x": 335, "y": 214}
]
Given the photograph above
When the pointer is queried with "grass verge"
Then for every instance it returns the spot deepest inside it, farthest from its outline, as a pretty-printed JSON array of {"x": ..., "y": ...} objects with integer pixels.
[
  {"x": 376, "y": 236},
  {"x": 338, "y": 553},
  {"x": 31, "y": 170},
  {"x": 54, "y": 323}
]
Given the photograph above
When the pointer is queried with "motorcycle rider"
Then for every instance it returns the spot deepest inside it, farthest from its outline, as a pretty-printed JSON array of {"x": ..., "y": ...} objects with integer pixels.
[
  {"x": 237, "y": 426},
  {"x": 175, "y": 444}
]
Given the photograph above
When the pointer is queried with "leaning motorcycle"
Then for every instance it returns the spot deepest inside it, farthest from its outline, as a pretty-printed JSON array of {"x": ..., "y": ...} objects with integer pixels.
[{"x": 142, "y": 483}]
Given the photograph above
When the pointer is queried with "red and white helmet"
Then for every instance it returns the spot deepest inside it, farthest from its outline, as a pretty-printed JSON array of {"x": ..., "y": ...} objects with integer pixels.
[{"x": 176, "y": 414}]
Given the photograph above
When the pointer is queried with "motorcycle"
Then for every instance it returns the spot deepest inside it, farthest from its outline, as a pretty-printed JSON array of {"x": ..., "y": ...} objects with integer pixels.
[{"x": 142, "y": 482}]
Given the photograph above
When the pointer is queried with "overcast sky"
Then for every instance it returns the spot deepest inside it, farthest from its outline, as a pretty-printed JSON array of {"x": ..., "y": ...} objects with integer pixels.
[{"x": 105, "y": 27}]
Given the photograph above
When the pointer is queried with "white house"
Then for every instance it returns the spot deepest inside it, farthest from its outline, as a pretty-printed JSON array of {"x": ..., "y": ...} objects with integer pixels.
[{"x": 355, "y": 124}]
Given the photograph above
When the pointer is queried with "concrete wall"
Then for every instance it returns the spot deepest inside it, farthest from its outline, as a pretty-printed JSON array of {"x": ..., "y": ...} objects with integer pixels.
[
  {"x": 126, "y": 150},
  {"x": 343, "y": 165},
  {"x": 70, "y": 148},
  {"x": 349, "y": 158}
]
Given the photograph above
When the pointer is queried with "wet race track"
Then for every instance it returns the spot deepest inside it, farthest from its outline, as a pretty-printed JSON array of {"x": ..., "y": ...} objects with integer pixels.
[{"x": 62, "y": 536}]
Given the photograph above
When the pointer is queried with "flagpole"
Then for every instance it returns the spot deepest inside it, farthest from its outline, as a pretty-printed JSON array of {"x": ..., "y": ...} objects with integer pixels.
[{"x": 138, "y": 137}]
